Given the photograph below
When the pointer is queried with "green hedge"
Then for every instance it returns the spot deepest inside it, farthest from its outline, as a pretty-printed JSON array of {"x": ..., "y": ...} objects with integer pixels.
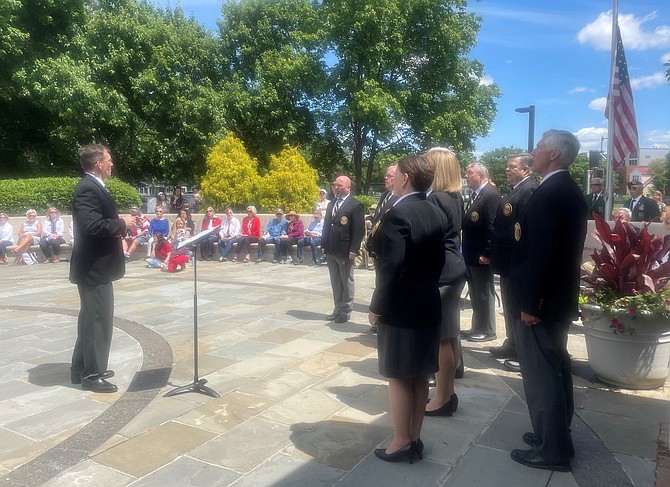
[
  {"x": 367, "y": 201},
  {"x": 17, "y": 195}
]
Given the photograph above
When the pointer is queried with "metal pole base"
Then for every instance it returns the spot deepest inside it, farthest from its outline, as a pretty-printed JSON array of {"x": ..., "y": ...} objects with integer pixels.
[{"x": 196, "y": 386}]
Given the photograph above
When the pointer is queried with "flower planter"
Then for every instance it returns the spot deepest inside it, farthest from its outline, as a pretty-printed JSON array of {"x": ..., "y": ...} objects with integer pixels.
[{"x": 635, "y": 354}]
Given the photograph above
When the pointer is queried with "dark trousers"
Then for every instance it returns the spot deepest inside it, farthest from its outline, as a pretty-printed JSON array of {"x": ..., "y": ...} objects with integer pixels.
[
  {"x": 285, "y": 245},
  {"x": 3, "y": 248},
  {"x": 207, "y": 247},
  {"x": 547, "y": 382},
  {"x": 341, "y": 272},
  {"x": 244, "y": 244},
  {"x": 94, "y": 330},
  {"x": 482, "y": 298},
  {"x": 51, "y": 246},
  {"x": 505, "y": 290}
]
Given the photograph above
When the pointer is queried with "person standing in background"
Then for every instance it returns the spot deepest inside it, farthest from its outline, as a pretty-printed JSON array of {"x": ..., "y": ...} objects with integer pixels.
[{"x": 343, "y": 231}]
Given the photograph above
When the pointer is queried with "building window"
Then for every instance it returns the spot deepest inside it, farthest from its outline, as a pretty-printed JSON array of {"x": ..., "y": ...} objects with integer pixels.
[
  {"x": 632, "y": 159},
  {"x": 635, "y": 178}
]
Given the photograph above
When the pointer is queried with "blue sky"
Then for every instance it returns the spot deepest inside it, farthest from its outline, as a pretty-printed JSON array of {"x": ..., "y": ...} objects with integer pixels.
[{"x": 556, "y": 55}]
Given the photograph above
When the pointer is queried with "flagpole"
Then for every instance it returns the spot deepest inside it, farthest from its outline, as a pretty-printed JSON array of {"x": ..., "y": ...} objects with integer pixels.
[{"x": 609, "y": 184}]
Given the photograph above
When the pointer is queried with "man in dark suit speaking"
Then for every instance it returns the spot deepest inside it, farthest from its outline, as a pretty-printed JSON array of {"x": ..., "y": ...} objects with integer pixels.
[
  {"x": 343, "y": 230},
  {"x": 544, "y": 280},
  {"x": 97, "y": 260}
]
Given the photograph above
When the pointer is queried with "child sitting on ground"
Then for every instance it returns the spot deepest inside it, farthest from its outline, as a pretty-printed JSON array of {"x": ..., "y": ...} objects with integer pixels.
[{"x": 160, "y": 252}]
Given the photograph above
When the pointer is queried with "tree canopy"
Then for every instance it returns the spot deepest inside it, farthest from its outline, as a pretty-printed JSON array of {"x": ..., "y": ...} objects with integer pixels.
[{"x": 347, "y": 83}]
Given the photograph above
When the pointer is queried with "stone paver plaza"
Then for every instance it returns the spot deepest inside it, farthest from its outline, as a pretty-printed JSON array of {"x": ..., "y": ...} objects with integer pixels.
[{"x": 302, "y": 403}]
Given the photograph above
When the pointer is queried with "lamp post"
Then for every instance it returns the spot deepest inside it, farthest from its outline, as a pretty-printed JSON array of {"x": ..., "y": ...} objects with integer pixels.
[
  {"x": 602, "y": 139},
  {"x": 530, "y": 110}
]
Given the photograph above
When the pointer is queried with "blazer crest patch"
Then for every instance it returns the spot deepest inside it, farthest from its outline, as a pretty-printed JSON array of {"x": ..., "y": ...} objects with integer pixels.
[
  {"x": 517, "y": 231},
  {"x": 507, "y": 209},
  {"x": 474, "y": 217},
  {"x": 344, "y": 220}
]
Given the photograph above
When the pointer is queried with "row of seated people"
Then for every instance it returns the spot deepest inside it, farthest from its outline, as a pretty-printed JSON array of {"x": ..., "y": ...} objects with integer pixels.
[
  {"x": 49, "y": 234},
  {"x": 234, "y": 238}
]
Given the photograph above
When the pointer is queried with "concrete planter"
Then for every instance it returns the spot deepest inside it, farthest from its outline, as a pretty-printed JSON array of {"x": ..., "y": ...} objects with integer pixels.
[{"x": 637, "y": 356}]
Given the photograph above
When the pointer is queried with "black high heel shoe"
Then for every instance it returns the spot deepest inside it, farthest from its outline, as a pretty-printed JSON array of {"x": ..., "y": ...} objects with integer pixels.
[
  {"x": 448, "y": 409},
  {"x": 408, "y": 451},
  {"x": 418, "y": 448}
]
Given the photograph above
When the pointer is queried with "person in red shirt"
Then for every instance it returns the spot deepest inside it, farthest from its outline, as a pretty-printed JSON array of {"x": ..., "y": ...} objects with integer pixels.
[
  {"x": 210, "y": 221},
  {"x": 249, "y": 233},
  {"x": 160, "y": 252}
]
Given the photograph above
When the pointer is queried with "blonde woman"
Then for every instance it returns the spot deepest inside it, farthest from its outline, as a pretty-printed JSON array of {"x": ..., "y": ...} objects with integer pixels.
[
  {"x": 445, "y": 193},
  {"x": 29, "y": 234},
  {"x": 53, "y": 231}
]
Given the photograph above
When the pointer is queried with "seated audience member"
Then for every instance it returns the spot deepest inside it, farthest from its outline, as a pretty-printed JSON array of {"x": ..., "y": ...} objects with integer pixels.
[
  {"x": 623, "y": 214},
  {"x": 53, "y": 231},
  {"x": 312, "y": 237},
  {"x": 322, "y": 204},
  {"x": 6, "y": 237},
  {"x": 177, "y": 201},
  {"x": 228, "y": 235},
  {"x": 196, "y": 200},
  {"x": 29, "y": 234},
  {"x": 295, "y": 230},
  {"x": 160, "y": 252},
  {"x": 666, "y": 241},
  {"x": 210, "y": 221},
  {"x": 250, "y": 232},
  {"x": 161, "y": 200},
  {"x": 179, "y": 256},
  {"x": 274, "y": 229},
  {"x": 185, "y": 215},
  {"x": 657, "y": 196},
  {"x": 137, "y": 235},
  {"x": 158, "y": 224}
]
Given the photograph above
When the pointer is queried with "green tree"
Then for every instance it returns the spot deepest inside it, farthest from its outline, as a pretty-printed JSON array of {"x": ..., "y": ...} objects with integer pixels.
[
  {"x": 232, "y": 175},
  {"x": 274, "y": 75},
  {"x": 401, "y": 76},
  {"x": 130, "y": 75},
  {"x": 659, "y": 170},
  {"x": 578, "y": 170},
  {"x": 290, "y": 183},
  {"x": 496, "y": 162}
]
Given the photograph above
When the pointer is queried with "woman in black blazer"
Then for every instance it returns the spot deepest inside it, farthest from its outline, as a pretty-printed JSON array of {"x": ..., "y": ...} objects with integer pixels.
[
  {"x": 446, "y": 195},
  {"x": 408, "y": 244}
]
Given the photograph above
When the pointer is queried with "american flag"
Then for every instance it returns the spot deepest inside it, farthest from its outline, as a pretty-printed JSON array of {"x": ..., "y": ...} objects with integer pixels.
[{"x": 625, "y": 127}]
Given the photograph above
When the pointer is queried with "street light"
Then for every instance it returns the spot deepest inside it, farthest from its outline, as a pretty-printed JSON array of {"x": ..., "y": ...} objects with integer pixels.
[
  {"x": 530, "y": 110},
  {"x": 602, "y": 139}
]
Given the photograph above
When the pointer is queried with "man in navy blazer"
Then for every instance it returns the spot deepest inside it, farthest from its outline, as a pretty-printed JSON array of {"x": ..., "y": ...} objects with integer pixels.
[
  {"x": 97, "y": 260},
  {"x": 343, "y": 231},
  {"x": 477, "y": 236},
  {"x": 520, "y": 176},
  {"x": 544, "y": 276}
]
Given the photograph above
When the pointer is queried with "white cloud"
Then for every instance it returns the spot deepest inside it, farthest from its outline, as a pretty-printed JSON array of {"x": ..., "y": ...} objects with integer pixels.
[
  {"x": 590, "y": 137},
  {"x": 599, "y": 32},
  {"x": 651, "y": 81},
  {"x": 598, "y": 104},
  {"x": 486, "y": 80},
  {"x": 659, "y": 137},
  {"x": 581, "y": 89},
  {"x": 665, "y": 58}
]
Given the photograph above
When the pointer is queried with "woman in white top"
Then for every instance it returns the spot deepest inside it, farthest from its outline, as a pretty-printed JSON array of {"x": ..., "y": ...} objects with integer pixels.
[
  {"x": 6, "y": 237},
  {"x": 29, "y": 234},
  {"x": 53, "y": 232},
  {"x": 322, "y": 204}
]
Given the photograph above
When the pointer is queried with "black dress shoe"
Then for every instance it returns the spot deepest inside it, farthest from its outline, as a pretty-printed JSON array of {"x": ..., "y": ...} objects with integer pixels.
[
  {"x": 342, "y": 318},
  {"x": 482, "y": 337},
  {"x": 503, "y": 351},
  {"x": 467, "y": 333},
  {"x": 406, "y": 452},
  {"x": 76, "y": 378},
  {"x": 448, "y": 409},
  {"x": 98, "y": 384},
  {"x": 332, "y": 316},
  {"x": 531, "y": 439},
  {"x": 373, "y": 328},
  {"x": 512, "y": 365},
  {"x": 531, "y": 459}
]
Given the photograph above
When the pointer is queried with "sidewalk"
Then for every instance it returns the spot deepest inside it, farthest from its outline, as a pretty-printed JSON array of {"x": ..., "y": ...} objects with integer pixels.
[{"x": 302, "y": 403}]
